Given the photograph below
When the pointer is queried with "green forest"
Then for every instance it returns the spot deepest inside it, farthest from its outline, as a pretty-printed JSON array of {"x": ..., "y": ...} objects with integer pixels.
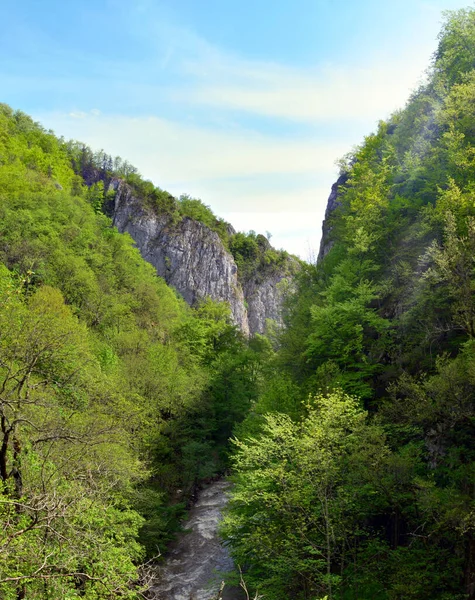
[
  {"x": 349, "y": 434},
  {"x": 117, "y": 399}
]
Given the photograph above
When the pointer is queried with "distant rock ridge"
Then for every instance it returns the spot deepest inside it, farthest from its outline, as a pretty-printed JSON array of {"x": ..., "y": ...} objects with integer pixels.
[
  {"x": 333, "y": 203},
  {"x": 192, "y": 258}
]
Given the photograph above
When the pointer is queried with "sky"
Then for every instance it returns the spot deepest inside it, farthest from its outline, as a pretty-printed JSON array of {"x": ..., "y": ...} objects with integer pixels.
[{"x": 246, "y": 105}]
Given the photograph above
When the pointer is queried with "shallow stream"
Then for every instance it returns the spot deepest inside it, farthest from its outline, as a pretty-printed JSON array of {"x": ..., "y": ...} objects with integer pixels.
[{"x": 197, "y": 560}]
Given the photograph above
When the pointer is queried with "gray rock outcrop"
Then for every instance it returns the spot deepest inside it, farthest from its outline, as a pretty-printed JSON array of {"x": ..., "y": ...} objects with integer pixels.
[
  {"x": 188, "y": 255},
  {"x": 192, "y": 258}
]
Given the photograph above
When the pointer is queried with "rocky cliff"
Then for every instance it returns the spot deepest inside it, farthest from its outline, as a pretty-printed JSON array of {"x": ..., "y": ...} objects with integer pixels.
[
  {"x": 332, "y": 204},
  {"x": 192, "y": 258}
]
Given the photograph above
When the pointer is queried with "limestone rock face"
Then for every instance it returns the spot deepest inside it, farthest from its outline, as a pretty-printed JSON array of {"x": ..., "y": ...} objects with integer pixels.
[
  {"x": 188, "y": 255},
  {"x": 192, "y": 258},
  {"x": 332, "y": 204},
  {"x": 264, "y": 294}
]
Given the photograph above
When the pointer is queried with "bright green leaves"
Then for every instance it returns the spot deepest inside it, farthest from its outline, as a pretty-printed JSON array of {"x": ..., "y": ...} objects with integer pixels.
[
  {"x": 67, "y": 545},
  {"x": 453, "y": 267},
  {"x": 197, "y": 210},
  {"x": 292, "y": 507},
  {"x": 95, "y": 196},
  {"x": 27, "y": 150},
  {"x": 346, "y": 332},
  {"x": 454, "y": 201},
  {"x": 65, "y": 458},
  {"x": 207, "y": 330},
  {"x": 366, "y": 194},
  {"x": 324, "y": 505},
  {"x": 456, "y": 52},
  {"x": 253, "y": 254}
]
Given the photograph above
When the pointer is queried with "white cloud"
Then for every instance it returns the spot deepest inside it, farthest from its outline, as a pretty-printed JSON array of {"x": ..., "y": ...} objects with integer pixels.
[
  {"x": 252, "y": 180},
  {"x": 78, "y": 115},
  {"x": 256, "y": 195}
]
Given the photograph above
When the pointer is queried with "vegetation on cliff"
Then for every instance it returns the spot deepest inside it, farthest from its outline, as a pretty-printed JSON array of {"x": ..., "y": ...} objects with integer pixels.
[{"x": 252, "y": 252}]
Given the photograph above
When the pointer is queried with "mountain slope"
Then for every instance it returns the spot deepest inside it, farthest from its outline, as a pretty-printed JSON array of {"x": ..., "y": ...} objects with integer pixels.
[{"x": 116, "y": 398}]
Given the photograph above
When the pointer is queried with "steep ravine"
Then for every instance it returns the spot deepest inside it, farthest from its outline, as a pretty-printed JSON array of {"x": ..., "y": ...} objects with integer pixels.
[{"x": 192, "y": 258}]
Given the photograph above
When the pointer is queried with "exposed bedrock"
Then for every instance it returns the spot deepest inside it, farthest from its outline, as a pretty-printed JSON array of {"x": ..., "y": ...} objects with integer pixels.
[{"x": 192, "y": 258}]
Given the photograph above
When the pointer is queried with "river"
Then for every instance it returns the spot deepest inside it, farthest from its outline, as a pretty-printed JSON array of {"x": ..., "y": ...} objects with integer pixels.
[{"x": 197, "y": 560}]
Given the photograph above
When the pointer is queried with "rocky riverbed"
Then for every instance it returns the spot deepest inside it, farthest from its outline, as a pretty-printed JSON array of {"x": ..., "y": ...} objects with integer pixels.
[{"x": 197, "y": 560}]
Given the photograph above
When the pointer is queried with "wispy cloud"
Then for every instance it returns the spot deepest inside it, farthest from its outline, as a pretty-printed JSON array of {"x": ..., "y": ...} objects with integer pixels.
[
  {"x": 313, "y": 95},
  {"x": 298, "y": 232}
]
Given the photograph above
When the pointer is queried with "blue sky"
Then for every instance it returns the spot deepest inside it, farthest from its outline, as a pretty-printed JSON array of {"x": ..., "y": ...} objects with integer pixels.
[{"x": 246, "y": 105}]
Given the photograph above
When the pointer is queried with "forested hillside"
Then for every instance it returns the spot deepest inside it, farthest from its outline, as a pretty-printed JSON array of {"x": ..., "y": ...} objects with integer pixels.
[
  {"x": 355, "y": 471},
  {"x": 116, "y": 398}
]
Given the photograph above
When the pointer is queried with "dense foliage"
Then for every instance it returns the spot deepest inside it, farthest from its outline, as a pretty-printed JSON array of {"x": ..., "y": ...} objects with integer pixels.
[
  {"x": 116, "y": 398},
  {"x": 255, "y": 256},
  {"x": 355, "y": 469}
]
